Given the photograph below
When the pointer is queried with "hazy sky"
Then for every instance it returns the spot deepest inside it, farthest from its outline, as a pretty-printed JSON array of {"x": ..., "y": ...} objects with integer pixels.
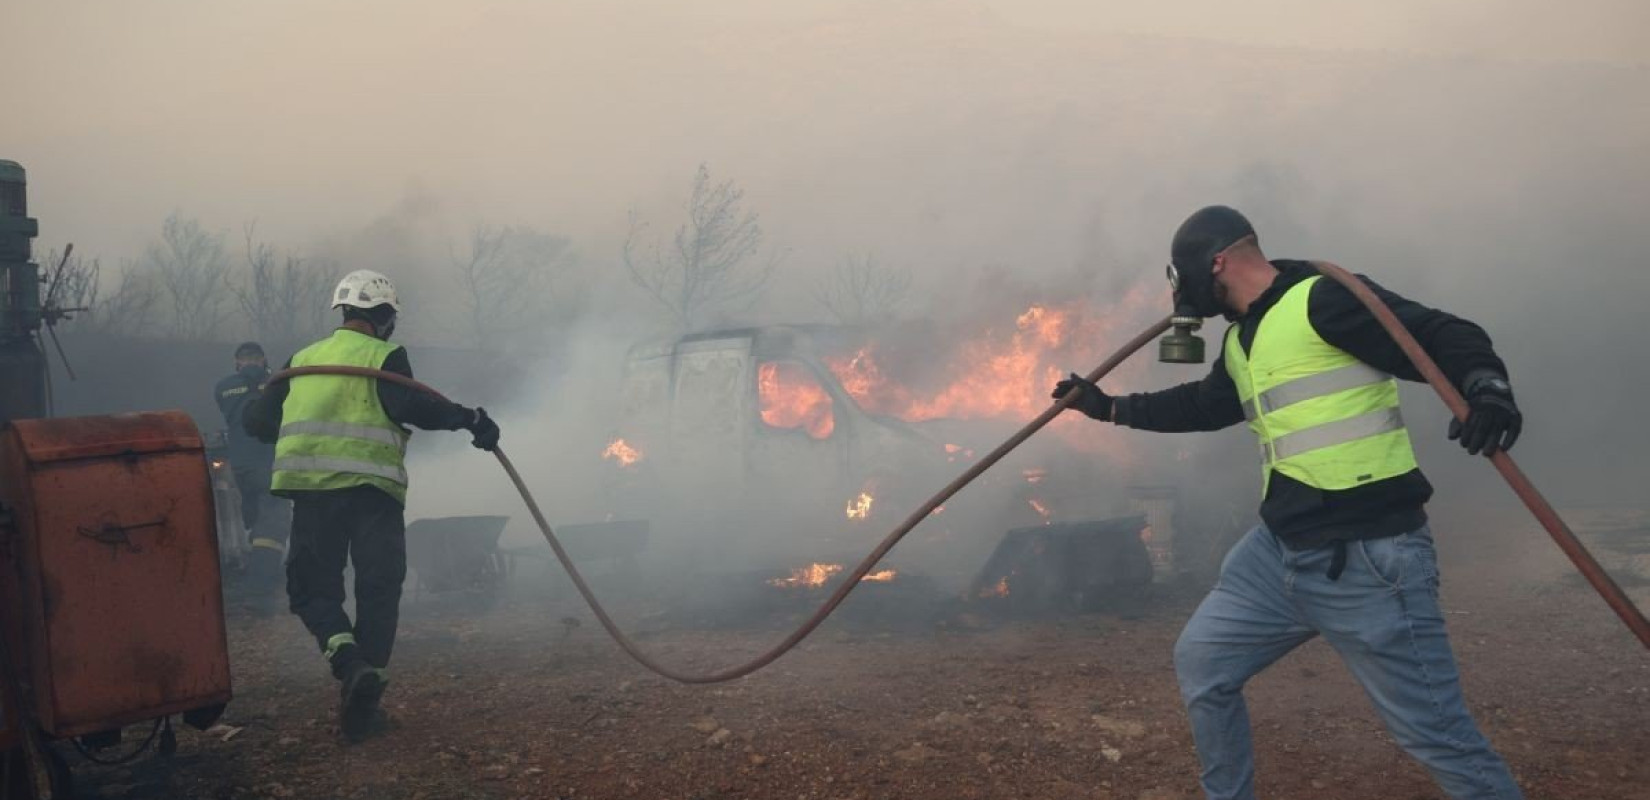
[
  {"x": 1486, "y": 156},
  {"x": 309, "y": 115}
]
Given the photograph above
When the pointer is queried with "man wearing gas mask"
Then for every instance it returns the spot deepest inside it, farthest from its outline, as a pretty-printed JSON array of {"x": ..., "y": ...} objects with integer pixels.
[{"x": 1343, "y": 550}]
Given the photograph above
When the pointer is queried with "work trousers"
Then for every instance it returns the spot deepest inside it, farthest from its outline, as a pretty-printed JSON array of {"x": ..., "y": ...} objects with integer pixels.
[
  {"x": 363, "y": 526},
  {"x": 1381, "y": 615},
  {"x": 267, "y": 519}
]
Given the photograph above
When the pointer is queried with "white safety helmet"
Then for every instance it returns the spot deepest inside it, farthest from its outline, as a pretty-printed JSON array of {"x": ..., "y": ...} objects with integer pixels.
[{"x": 364, "y": 288}]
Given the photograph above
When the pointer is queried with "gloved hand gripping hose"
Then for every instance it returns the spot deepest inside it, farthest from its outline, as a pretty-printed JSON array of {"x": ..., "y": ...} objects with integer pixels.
[
  {"x": 842, "y": 590},
  {"x": 1566, "y": 540}
]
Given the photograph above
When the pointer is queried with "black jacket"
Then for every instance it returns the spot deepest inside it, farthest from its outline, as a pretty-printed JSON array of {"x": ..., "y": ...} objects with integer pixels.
[
  {"x": 406, "y": 406},
  {"x": 1303, "y": 516},
  {"x": 234, "y": 394}
]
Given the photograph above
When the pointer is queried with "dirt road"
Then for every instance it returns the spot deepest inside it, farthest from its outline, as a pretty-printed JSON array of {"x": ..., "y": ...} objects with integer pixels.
[{"x": 512, "y": 703}]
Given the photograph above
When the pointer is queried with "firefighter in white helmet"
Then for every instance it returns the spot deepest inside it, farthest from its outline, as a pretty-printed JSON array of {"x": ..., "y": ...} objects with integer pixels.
[{"x": 340, "y": 442}]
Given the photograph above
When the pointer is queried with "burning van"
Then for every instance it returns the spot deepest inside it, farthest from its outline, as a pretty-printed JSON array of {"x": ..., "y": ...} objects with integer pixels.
[
  {"x": 752, "y": 421},
  {"x": 761, "y": 438}
]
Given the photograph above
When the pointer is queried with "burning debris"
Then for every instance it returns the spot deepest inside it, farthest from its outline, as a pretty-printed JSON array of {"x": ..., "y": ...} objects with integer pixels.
[
  {"x": 885, "y": 599},
  {"x": 998, "y": 589},
  {"x": 812, "y": 576},
  {"x": 816, "y": 575},
  {"x": 622, "y": 453},
  {"x": 859, "y": 508},
  {"x": 1042, "y": 510}
]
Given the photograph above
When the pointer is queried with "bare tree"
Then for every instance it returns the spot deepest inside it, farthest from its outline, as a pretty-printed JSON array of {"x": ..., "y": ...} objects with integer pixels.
[
  {"x": 515, "y": 283},
  {"x": 129, "y": 310},
  {"x": 283, "y": 295},
  {"x": 709, "y": 266},
  {"x": 861, "y": 291},
  {"x": 192, "y": 270}
]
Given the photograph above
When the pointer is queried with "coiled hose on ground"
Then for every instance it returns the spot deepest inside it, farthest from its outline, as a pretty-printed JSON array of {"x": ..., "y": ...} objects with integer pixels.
[{"x": 1566, "y": 540}]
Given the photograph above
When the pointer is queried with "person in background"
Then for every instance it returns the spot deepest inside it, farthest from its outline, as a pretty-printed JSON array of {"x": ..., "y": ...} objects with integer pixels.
[{"x": 267, "y": 518}]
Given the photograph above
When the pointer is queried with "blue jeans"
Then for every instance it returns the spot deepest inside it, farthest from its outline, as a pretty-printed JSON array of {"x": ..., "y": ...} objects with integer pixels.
[{"x": 1381, "y": 615}]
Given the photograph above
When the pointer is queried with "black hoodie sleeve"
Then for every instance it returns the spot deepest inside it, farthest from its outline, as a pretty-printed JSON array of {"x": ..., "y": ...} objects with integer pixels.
[
  {"x": 404, "y": 405},
  {"x": 261, "y": 416},
  {"x": 1461, "y": 348},
  {"x": 1206, "y": 405},
  {"x": 409, "y": 406}
]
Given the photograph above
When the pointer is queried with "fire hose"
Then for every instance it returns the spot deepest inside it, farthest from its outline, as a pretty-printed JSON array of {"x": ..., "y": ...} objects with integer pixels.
[{"x": 1544, "y": 513}]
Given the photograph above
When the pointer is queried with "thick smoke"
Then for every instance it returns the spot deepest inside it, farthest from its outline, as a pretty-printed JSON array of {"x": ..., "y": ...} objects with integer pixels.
[{"x": 1004, "y": 163}]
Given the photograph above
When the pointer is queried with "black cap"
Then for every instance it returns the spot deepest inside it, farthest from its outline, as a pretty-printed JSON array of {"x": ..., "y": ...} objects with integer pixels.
[
  {"x": 1207, "y": 232},
  {"x": 248, "y": 350}
]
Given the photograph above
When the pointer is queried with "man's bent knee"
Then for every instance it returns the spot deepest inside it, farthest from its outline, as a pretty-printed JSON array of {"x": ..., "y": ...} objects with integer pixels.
[{"x": 1197, "y": 667}]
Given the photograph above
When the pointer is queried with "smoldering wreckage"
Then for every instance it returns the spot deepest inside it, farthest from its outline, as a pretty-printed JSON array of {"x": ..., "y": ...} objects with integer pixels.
[{"x": 122, "y": 535}]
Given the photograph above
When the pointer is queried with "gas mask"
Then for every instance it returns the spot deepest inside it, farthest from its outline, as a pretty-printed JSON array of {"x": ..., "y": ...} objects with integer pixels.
[
  {"x": 1203, "y": 236},
  {"x": 1194, "y": 299}
]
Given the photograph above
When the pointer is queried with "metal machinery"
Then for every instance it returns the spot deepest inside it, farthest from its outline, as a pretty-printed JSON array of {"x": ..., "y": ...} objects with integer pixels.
[
  {"x": 234, "y": 541},
  {"x": 111, "y": 611}
]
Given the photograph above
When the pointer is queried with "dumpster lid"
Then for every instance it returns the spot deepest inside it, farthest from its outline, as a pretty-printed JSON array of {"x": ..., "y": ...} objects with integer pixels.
[{"x": 71, "y": 438}]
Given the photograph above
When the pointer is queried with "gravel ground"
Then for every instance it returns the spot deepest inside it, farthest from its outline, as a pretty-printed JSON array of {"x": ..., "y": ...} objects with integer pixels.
[{"x": 512, "y": 702}]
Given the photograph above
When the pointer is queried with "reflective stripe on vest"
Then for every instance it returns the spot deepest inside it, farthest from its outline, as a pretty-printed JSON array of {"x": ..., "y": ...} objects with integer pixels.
[
  {"x": 335, "y": 433},
  {"x": 1341, "y": 431},
  {"x": 344, "y": 465},
  {"x": 1322, "y": 417},
  {"x": 347, "y": 431},
  {"x": 1350, "y": 376}
]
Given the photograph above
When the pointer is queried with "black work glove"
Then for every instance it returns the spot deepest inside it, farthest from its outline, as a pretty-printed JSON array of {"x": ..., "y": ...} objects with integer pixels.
[
  {"x": 1494, "y": 421},
  {"x": 1092, "y": 401},
  {"x": 484, "y": 429}
]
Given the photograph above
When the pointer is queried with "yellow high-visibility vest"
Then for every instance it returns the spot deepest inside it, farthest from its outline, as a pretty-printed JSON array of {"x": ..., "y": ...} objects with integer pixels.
[
  {"x": 334, "y": 432},
  {"x": 1324, "y": 418}
]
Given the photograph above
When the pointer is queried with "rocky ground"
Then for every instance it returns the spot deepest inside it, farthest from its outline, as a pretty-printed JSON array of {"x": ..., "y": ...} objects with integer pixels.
[{"x": 516, "y": 702}]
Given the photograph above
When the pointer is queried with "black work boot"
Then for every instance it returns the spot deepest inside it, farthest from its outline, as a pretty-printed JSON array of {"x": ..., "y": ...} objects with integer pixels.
[{"x": 359, "y": 691}]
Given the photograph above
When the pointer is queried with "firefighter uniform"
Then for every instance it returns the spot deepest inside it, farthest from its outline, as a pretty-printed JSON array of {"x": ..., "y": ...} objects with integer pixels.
[{"x": 267, "y": 518}]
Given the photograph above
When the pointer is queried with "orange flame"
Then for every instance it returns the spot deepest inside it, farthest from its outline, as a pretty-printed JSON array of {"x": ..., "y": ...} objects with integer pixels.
[
  {"x": 620, "y": 451},
  {"x": 812, "y": 576},
  {"x": 1042, "y": 510},
  {"x": 860, "y": 507},
  {"x": 1006, "y": 371},
  {"x": 1035, "y": 475},
  {"x": 816, "y": 575},
  {"x": 999, "y": 590},
  {"x": 791, "y": 397},
  {"x": 998, "y": 376}
]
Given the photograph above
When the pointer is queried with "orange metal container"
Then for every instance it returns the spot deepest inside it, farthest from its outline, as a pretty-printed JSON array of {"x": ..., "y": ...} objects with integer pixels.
[{"x": 113, "y": 606}]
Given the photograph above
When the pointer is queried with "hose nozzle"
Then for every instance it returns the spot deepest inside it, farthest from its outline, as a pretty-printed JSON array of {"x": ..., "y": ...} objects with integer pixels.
[{"x": 1182, "y": 345}]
